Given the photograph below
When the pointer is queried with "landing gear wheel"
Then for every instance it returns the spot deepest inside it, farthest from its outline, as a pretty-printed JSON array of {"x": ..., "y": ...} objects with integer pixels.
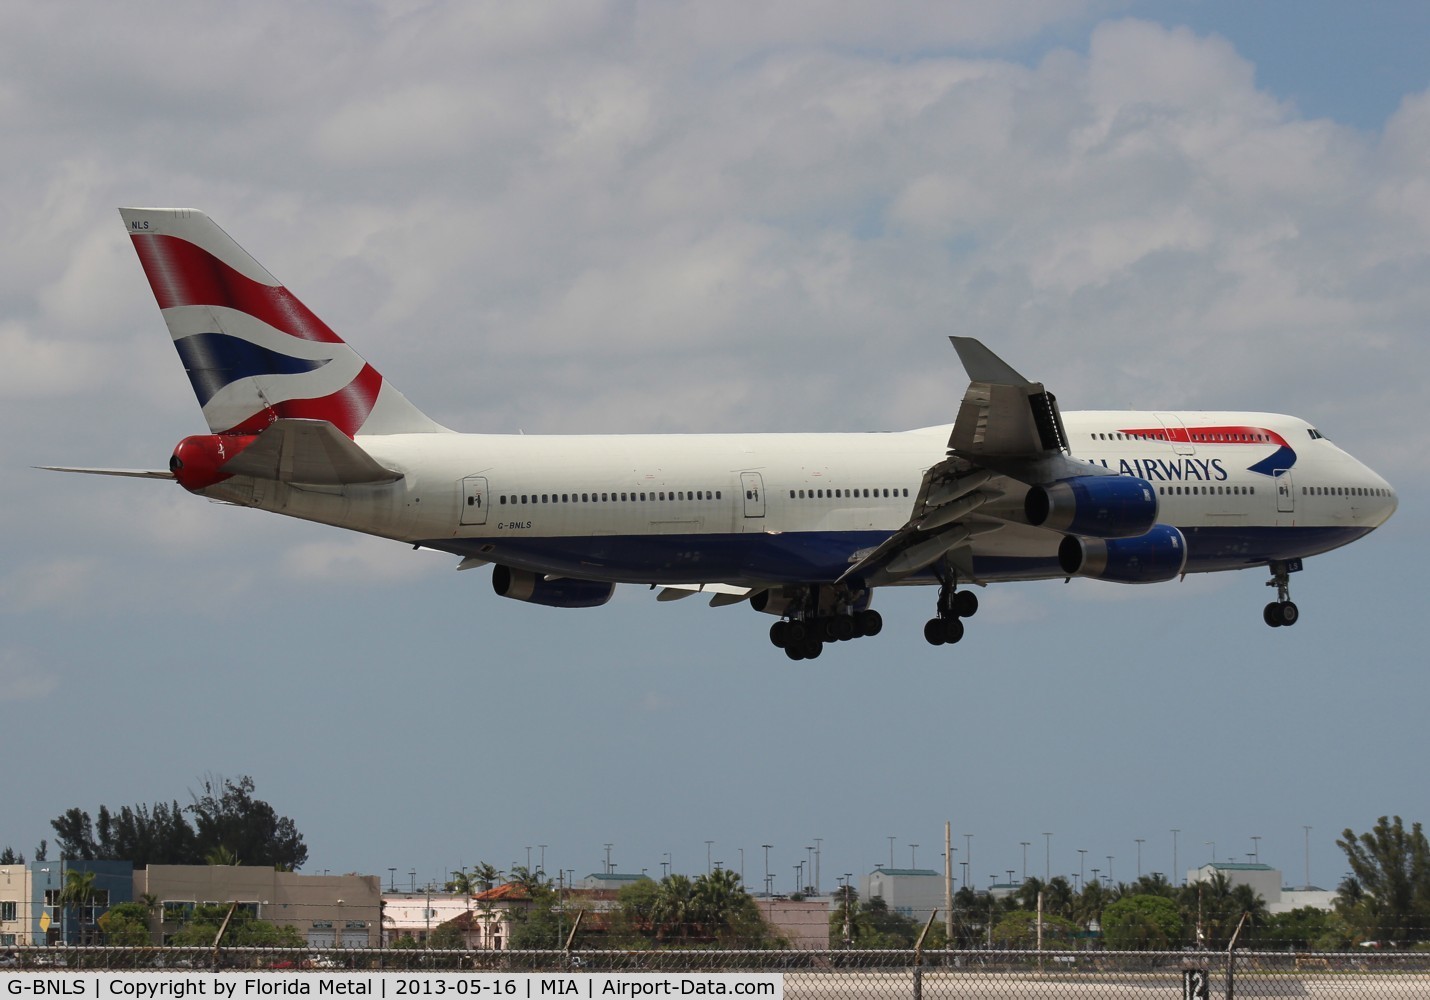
[
  {"x": 812, "y": 648},
  {"x": 965, "y": 603},
  {"x": 795, "y": 651},
  {"x": 844, "y": 628},
  {"x": 933, "y": 632},
  {"x": 869, "y": 623},
  {"x": 1279, "y": 613},
  {"x": 779, "y": 634},
  {"x": 952, "y": 630}
]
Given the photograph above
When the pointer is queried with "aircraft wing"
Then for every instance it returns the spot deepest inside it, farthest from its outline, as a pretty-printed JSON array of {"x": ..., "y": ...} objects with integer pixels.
[
  {"x": 308, "y": 453},
  {"x": 1008, "y": 435}
]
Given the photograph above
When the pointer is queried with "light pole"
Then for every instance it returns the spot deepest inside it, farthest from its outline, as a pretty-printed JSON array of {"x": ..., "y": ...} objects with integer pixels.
[
  {"x": 708, "y": 845},
  {"x": 1176, "y": 872},
  {"x": 1139, "y": 857},
  {"x": 913, "y": 856},
  {"x": 1047, "y": 857},
  {"x": 1109, "y": 869},
  {"x": 891, "y": 852},
  {"x": 1081, "y": 871},
  {"x": 1308, "y": 855},
  {"x": 1256, "y": 850},
  {"x": 767, "y": 867},
  {"x": 1025, "y": 859},
  {"x": 818, "y": 849},
  {"x": 392, "y": 878}
]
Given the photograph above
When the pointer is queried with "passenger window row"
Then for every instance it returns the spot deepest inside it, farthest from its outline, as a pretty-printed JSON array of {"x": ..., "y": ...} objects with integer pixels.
[
  {"x": 1197, "y": 437},
  {"x": 1344, "y": 491},
  {"x": 610, "y": 497},
  {"x": 1206, "y": 491},
  {"x": 851, "y": 494}
]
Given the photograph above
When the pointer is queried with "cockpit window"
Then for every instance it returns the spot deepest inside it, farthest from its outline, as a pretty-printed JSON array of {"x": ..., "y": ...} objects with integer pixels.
[{"x": 1315, "y": 434}]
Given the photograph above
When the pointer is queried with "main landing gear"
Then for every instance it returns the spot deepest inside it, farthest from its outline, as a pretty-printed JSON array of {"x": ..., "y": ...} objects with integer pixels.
[
  {"x": 1282, "y": 611},
  {"x": 953, "y": 607},
  {"x": 803, "y": 635},
  {"x": 804, "y": 638}
]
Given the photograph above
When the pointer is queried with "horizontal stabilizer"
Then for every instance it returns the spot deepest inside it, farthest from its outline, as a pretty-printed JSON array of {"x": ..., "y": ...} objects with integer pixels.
[
  {"x": 308, "y": 453},
  {"x": 130, "y": 473}
]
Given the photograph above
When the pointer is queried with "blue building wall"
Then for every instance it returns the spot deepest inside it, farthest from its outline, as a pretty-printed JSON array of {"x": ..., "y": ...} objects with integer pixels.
[{"x": 113, "y": 883}]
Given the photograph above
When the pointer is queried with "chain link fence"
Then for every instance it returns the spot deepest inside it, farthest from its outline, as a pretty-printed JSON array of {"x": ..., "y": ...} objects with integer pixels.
[{"x": 828, "y": 974}]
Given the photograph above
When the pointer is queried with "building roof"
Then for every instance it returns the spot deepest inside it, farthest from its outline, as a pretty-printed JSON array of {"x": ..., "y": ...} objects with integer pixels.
[
  {"x": 1233, "y": 866},
  {"x": 506, "y": 892},
  {"x": 903, "y": 871}
]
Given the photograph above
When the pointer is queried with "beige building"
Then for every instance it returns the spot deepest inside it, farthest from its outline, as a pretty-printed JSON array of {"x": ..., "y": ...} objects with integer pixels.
[
  {"x": 328, "y": 911},
  {"x": 15, "y": 905}
]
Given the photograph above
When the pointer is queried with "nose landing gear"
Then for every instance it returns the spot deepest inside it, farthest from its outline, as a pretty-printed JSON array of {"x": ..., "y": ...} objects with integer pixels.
[{"x": 1282, "y": 611}]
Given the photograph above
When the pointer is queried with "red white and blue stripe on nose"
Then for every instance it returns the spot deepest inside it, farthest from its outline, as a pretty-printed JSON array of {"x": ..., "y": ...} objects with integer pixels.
[{"x": 253, "y": 352}]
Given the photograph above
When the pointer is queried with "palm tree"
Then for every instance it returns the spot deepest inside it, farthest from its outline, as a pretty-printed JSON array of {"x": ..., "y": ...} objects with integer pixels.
[
  {"x": 714, "y": 900},
  {"x": 78, "y": 892},
  {"x": 671, "y": 909},
  {"x": 221, "y": 855}
]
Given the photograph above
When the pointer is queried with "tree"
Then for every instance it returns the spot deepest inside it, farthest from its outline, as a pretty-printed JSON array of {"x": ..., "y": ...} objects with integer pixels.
[
  {"x": 227, "y": 815},
  {"x": 78, "y": 894},
  {"x": 1391, "y": 870},
  {"x": 9, "y": 857},
  {"x": 1142, "y": 923},
  {"x": 126, "y": 925},
  {"x": 244, "y": 930},
  {"x": 227, "y": 819},
  {"x": 1019, "y": 929}
]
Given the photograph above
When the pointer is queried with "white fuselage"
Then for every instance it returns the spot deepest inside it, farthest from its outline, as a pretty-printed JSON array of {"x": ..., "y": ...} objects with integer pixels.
[{"x": 1244, "y": 488}]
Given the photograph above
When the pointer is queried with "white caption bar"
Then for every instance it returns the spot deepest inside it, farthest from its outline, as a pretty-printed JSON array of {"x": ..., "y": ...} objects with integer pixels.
[{"x": 168, "y": 985}]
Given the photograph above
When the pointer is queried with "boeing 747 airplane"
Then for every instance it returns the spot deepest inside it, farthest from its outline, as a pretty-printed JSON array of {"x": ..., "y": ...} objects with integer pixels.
[{"x": 803, "y": 527}]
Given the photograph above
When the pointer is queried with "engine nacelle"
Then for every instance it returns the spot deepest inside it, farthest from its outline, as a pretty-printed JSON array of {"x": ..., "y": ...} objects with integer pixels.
[
  {"x": 1099, "y": 506},
  {"x": 1157, "y": 556},
  {"x": 533, "y": 588}
]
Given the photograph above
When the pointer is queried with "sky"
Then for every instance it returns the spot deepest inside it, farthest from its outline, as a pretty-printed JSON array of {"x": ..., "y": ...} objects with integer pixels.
[{"x": 672, "y": 217}]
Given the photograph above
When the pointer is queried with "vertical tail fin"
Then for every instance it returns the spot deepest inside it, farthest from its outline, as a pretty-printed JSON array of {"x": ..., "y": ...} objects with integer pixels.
[{"x": 252, "y": 351}]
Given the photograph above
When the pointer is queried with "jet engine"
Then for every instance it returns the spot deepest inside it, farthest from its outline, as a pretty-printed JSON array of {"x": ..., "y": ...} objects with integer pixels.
[
  {"x": 534, "y": 588},
  {"x": 1099, "y": 506},
  {"x": 1155, "y": 557}
]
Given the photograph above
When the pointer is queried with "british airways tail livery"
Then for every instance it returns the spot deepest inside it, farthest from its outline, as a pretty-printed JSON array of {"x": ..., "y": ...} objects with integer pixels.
[{"x": 803, "y": 527}]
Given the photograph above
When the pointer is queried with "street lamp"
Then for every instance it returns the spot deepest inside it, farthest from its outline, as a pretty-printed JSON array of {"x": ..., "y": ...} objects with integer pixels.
[
  {"x": 1047, "y": 857},
  {"x": 1025, "y": 859},
  {"x": 1081, "y": 871},
  {"x": 1139, "y": 856}
]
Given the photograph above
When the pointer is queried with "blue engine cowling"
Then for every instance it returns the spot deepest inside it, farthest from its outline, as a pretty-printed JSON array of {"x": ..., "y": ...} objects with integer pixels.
[
  {"x": 533, "y": 588},
  {"x": 1100, "y": 506},
  {"x": 1157, "y": 556}
]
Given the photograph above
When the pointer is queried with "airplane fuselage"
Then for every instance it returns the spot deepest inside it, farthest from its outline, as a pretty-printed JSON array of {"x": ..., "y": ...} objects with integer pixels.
[{"x": 1244, "y": 488}]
